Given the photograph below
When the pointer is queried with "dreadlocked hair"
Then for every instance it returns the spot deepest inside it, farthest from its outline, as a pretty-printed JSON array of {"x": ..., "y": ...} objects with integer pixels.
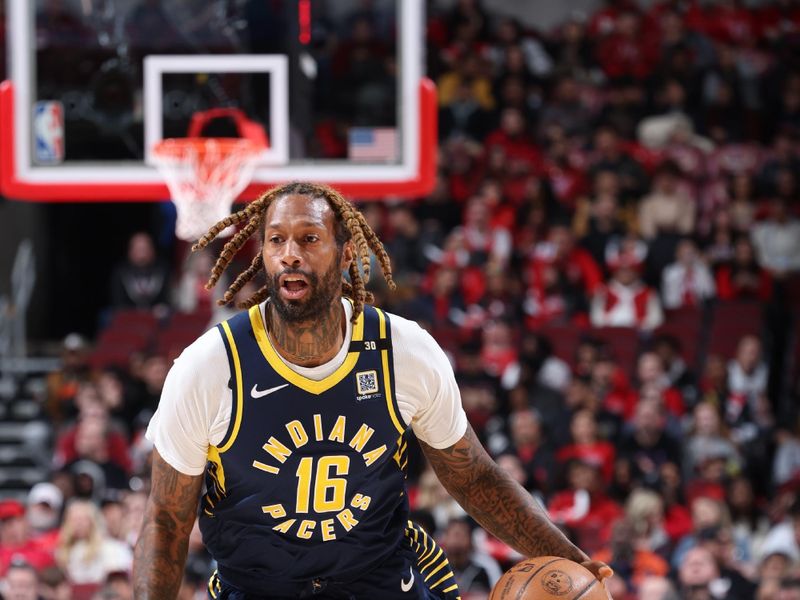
[{"x": 350, "y": 225}]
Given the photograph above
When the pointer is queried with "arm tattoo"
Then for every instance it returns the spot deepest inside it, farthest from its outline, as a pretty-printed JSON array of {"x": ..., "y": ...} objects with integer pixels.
[
  {"x": 161, "y": 549},
  {"x": 496, "y": 501}
]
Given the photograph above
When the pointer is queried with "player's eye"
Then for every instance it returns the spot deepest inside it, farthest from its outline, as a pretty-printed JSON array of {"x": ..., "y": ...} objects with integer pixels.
[
  {"x": 275, "y": 239},
  {"x": 312, "y": 238}
]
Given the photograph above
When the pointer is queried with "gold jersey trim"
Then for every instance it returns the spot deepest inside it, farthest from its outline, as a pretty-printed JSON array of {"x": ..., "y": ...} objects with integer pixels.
[{"x": 304, "y": 383}]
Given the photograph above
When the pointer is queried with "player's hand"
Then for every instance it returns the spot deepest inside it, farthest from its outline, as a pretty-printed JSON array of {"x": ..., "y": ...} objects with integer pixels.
[{"x": 600, "y": 569}]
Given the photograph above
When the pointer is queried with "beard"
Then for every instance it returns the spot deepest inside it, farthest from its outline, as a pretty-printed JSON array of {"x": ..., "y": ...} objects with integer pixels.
[{"x": 321, "y": 294}]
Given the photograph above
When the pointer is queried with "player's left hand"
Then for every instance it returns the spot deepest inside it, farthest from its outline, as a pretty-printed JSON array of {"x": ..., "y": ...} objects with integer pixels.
[{"x": 600, "y": 569}]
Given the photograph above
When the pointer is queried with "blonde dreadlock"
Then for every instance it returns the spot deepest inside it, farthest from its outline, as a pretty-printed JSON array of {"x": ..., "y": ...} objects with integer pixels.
[{"x": 350, "y": 225}]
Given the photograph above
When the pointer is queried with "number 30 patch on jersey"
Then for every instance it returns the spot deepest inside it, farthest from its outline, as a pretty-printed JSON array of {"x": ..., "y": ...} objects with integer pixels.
[{"x": 366, "y": 383}]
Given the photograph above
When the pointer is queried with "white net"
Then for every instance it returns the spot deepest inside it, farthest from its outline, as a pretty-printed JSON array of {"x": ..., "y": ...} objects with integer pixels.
[{"x": 204, "y": 177}]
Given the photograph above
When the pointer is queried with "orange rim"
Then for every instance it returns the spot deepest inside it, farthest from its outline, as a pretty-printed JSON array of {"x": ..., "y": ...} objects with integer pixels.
[{"x": 176, "y": 149}]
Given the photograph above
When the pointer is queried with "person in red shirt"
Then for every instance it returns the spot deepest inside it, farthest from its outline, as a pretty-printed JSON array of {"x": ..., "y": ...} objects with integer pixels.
[
  {"x": 630, "y": 51},
  {"x": 559, "y": 269},
  {"x": 743, "y": 278},
  {"x": 513, "y": 137},
  {"x": 585, "y": 507},
  {"x": 587, "y": 445},
  {"x": 17, "y": 540}
]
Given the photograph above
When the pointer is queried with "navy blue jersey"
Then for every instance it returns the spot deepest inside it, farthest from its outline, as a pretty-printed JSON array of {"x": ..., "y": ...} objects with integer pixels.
[{"x": 309, "y": 481}]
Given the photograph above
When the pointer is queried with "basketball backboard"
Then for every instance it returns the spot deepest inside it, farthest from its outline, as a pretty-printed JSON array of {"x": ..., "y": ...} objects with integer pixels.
[{"x": 94, "y": 84}]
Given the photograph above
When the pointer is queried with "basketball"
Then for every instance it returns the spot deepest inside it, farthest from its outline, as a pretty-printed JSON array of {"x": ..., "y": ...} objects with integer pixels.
[{"x": 548, "y": 578}]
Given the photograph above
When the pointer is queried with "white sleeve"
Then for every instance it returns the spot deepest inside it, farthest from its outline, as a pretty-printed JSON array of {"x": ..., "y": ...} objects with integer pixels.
[
  {"x": 192, "y": 408},
  {"x": 426, "y": 388}
]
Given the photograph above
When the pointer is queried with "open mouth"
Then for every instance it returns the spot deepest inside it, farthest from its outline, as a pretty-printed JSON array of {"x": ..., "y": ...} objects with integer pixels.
[{"x": 293, "y": 287}]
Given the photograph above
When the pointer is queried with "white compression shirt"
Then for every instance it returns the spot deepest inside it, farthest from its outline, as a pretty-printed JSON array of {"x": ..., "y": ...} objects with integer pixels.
[{"x": 195, "y": 406}]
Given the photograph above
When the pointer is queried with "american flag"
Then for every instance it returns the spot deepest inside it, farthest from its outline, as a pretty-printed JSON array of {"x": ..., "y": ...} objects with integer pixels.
[{"x": 373, "y": 144}]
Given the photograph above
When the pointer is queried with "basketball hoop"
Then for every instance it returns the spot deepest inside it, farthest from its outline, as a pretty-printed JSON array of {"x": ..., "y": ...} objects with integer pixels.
[{"x": 206, "y": 174}]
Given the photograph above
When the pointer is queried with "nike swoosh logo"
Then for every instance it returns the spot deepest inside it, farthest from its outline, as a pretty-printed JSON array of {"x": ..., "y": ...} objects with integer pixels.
[
  {"x": 256, "y": 393},
  {"x": 406, "y": 587}
]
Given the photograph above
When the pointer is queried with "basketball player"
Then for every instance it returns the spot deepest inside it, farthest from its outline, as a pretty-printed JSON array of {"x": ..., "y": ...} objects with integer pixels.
[{"x": 294, "y": 414}]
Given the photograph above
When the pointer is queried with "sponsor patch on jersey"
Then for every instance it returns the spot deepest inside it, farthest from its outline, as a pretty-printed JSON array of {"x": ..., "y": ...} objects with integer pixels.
[{"x": 366, "y": 384}]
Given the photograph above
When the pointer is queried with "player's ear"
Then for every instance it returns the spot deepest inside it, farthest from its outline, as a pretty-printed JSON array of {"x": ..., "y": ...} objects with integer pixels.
[{"x": 347, "y": 255}]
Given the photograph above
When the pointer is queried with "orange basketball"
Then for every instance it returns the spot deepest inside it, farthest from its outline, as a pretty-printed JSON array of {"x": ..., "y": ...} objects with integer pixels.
[{"x": 548, "y": 578}]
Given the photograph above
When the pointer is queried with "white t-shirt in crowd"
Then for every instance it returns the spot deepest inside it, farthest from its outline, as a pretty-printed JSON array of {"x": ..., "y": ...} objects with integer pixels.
[{"x": 195, "y": 407}]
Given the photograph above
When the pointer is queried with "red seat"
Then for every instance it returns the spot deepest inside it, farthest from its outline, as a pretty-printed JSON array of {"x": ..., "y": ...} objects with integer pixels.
[
  {"x": 133, "y": 319},
  {"x": 730, "y": 323},
  {"x": 135, "y": 338},
  {"x": 564, "y": 339},
  {"x": 687, "y": 336},
  {"x": 623, "y": 343},
  {"x": 196, "y": 322}
]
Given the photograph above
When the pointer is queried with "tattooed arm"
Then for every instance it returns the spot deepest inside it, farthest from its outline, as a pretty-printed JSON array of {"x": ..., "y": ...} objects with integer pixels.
[
  {"x": 499, "y": 503},
  {"x": 161, "y": 549}
]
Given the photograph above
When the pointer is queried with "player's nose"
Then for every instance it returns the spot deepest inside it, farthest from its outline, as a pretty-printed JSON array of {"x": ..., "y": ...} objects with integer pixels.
[{"x": 291, "y": 254}]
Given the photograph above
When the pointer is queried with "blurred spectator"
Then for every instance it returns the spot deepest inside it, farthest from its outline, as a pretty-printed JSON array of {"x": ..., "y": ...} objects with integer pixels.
[
  {"x": 93, "y": 439},
  {"x": 777, "y": 241},
  {"x": 700, "y": 579},
  {"x": 646, "y": 446},
  {"x": 485, "y": 241},
  {"x": 148, "y": 383},
  {"x": 626, "y": 104},
  {"x": 742, "y": 201},
  {"x": 85, "y": 551},
  {"x": 786, "y": 463},
  {"x": 687, "y": 281},
  {"x": 474, "y": 574},
  {"x": 587, "y": 445},
  {"x": 709, "y": 517},
  {"x": 630, "y": 560},
  {"x": 644, "y": 509},
  {"x": 510, "y": 36},
  {"x": 628, "y": 50},
  {"x": 467, "y": 70},
  {"x": 656, "y": 588},
  {"x": 141, "y": 280},
  {"x": 707, "y": 440},
  {"x": 743, "y": 278},
  {"x": 747, "y": 378},
  {"x": 432, "y": 497},
  {"x": 608, "y": 155},
  {"x": 585, "y": 507},
  {"x": 567, "y": 108},
  {"x": 654, "y": 381},
  {"x": 784, "y": 537},
  {"x": 667, "y": 209},
  {"x": 63, "y": 383},
  {"x": 571, "y": 47},
  {"x": 17, "y": 539},
  {"x": 560, "y": 275},
  {"x": 678, "y": 374},
  {"x": 601, "y": 222},
  {"x": 626, "y": 301},
  {"x": 21, "y": 582},
  {"x": 118, "y": 586},
  {"x": 513, "y": 137},
  {"x": 530, "y": 446},
  {"x": 53, "y": 584},
  {"x": 43, "y": 513},
  {"x": 718, "y": 245},
  {"x": 463, "y": 116},
  {"x": 191, "y": 294},
  {"x": 748, "y": 522},
  {"x": 783, "y": 157}
]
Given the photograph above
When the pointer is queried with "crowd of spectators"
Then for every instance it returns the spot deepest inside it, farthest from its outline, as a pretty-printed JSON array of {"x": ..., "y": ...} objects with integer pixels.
[{"x": 598, "y": 183}]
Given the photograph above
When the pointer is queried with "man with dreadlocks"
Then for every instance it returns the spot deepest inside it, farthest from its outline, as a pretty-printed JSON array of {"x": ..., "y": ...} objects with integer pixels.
[{"x": 295, "y": 412}]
